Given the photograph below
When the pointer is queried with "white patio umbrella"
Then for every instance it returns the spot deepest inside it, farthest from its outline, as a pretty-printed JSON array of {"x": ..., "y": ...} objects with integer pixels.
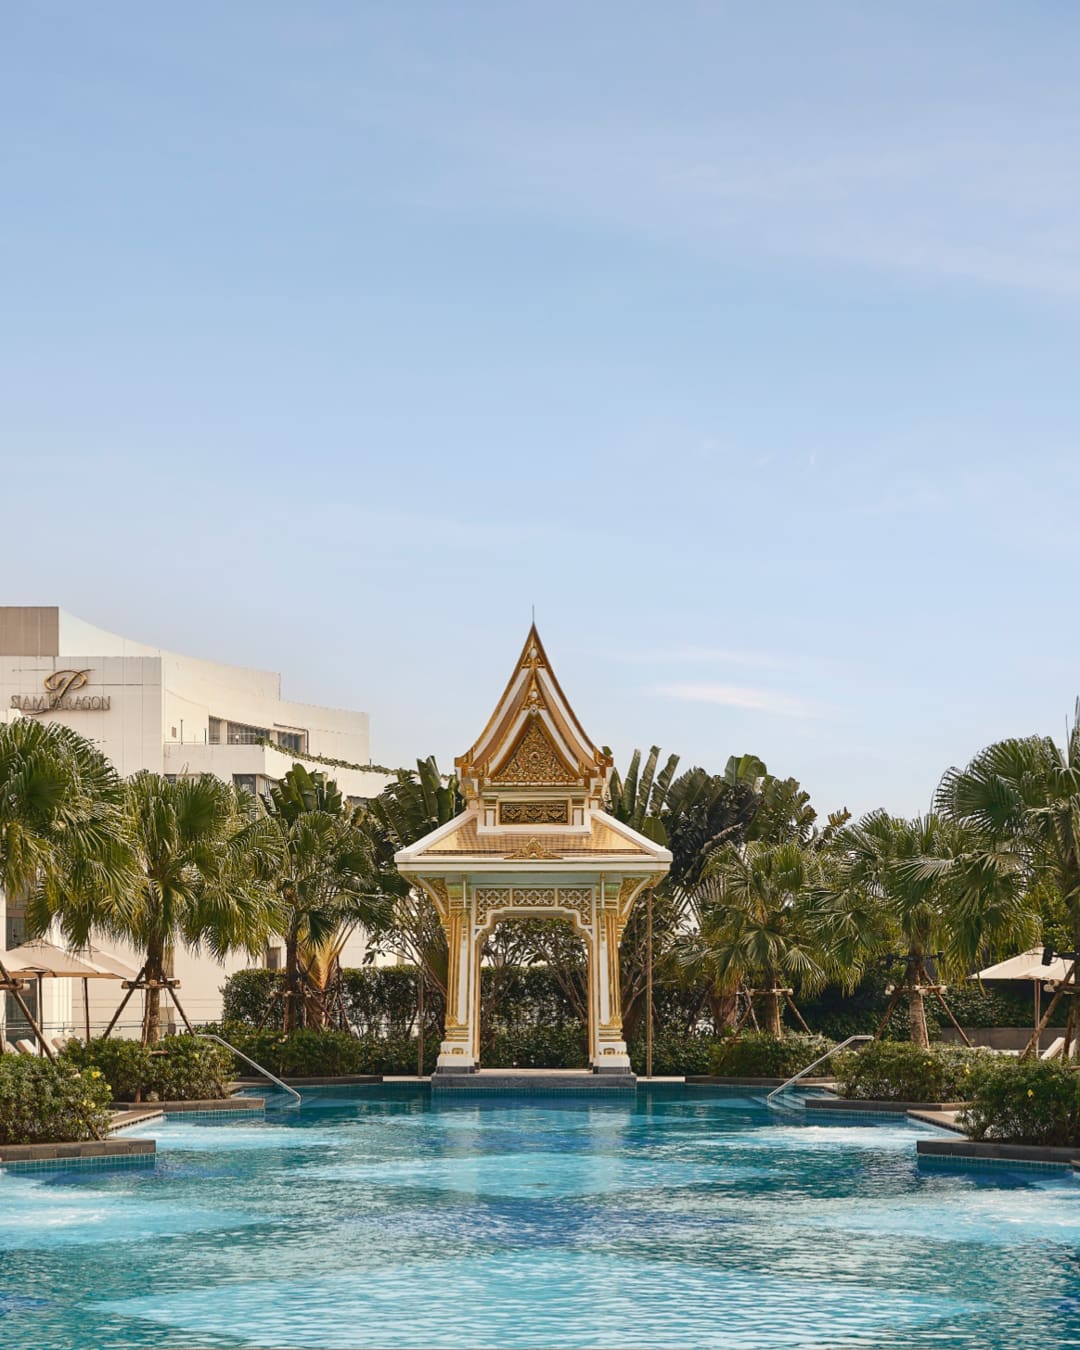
[
  {"x": 45, "y": 961},
  {"x": 1029, "y": 966}
]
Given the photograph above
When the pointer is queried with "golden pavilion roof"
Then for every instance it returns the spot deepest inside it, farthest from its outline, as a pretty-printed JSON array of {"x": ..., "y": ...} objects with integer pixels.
[
  {"x": 534, "y": 786},
  {"x": 533, "y": 739},
  {"x": 602, "y": 838}
]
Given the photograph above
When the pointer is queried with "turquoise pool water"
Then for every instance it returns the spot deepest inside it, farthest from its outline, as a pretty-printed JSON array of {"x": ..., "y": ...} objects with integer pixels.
[{"x": 690, "y": 1217}]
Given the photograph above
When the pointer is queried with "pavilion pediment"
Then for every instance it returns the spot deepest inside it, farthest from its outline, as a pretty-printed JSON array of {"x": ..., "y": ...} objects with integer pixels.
[
  {"x": 533, "y": 738},
  {"x": 534, "y": 760}
]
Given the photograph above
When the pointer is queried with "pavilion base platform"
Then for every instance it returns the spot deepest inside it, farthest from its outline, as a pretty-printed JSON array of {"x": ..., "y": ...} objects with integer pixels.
[{"x": 567, "y": 1082}]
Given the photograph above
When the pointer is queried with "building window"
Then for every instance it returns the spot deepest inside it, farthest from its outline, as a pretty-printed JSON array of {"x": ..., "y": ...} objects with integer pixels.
[
  {"x": 296, "y": 741},
  {"x": 244, "y": 782},
  {"x": 14, "y": 931},
  {"x": 215, "y": 731},
  {"x": 273, "y": 958},
  {"x": 242, "y": 734}
]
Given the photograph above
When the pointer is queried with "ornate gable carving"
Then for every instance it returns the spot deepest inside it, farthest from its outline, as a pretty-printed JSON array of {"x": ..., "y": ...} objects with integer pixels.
[
  {"x": 550, "y": 750},
  {"x": 535, "y": 760}
]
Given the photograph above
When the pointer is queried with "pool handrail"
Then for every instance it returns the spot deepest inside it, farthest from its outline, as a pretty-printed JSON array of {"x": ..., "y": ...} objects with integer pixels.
[
  {"x": 210, "y": 1036},
  {"x": 820, "y": 1060}
]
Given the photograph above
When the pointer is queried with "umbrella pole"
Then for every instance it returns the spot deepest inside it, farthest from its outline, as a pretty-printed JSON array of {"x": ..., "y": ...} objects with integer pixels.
[
  {"x": 86, "y": 1007},
  {"x": 1067, "y": 985},
  {"x": 1038, "y": 1004},
  {"x": 40, "y": 1006}
]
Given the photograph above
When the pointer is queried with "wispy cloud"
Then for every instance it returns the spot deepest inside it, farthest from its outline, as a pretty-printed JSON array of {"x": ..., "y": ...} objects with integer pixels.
[
  {"x": 960, "y": 187},
  {"x": 741, "y": 696},
  {"x": 692, "y": 654}
]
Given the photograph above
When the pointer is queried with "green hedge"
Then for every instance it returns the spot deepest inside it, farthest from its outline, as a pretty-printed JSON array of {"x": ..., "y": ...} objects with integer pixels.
[
  {"x": 897, "y": 1071},
  {"x": 329, "y": 1054},
  {"x": 176, "y": 1069},
  {"x": 1024, "y": 1102},
  {"x": 380, "y": 1002},
  {"x": 756, "y": 1055},
  {"x": 675, "y": 1056},
  {"x": 539, "y": 1048},
  {"x": 51, "y": 1102}
]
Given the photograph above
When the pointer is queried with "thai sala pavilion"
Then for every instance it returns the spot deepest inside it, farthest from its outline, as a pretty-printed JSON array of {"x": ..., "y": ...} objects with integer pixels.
[{"x": 533, "y": 841}]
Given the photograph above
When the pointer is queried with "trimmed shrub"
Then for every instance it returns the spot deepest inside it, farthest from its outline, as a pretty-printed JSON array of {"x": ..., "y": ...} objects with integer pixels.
[
  {"x": 540, "y": 1048},
  {"x": 675, "y": 1056},
  {"x": 897, "y": 1071},
  {"x": 380, "y": 1002},
  {"x": 176, "y": 1069},
  {"x": 125, "y": 1065},
  {"x": 1024, "y": 1102},
  {"x": 301, "y": 1054},
  {"x": 329, "y": 1054},
  {"x": 186, "y": 1069},
  {"x": 245, "y": 996},
  {"x": 997, "y": 1003},
  {"x": 756, "y": 1055},
  {"x": 47, "y": 1102}
]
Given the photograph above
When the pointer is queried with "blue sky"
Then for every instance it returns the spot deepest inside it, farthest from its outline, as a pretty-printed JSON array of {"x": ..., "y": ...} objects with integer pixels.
[{"x": 739, "y": 339}]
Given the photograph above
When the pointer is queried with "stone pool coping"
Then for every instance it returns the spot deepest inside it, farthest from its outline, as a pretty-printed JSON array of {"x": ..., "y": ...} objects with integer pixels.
[
  {"x": 210, "y": 1105},
  {"x": 719, "y": 1080},
  {"x": 856, "y": 1104},
  {"x": 323, "y": 1080}
]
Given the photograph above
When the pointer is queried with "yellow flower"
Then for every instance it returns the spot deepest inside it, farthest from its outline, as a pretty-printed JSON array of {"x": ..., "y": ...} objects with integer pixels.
[{"x": 1030, "y": 1093}]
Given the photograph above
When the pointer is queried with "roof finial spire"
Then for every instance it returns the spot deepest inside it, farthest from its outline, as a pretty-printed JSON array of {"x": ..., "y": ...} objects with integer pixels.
[{"x": 534, "y": 616}]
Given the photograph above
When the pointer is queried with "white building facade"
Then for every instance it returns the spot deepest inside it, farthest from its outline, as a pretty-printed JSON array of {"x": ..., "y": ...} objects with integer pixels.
[{"x": 146, "y": 708}]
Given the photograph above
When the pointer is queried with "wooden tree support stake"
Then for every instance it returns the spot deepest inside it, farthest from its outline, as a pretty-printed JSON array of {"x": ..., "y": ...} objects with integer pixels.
[
  {"x": 888, "y": 1013},
  {"x": 130, "y": 986},
  {"x": 791, "y": 1004},
  {"x": 1067, "y": 986},
  {"x": 949, "y": 1014},
  {"x": 14, "y": 988}
]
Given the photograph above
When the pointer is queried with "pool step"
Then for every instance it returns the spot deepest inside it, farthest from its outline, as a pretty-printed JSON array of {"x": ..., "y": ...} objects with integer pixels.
[{"x": 532, "y": 1081}]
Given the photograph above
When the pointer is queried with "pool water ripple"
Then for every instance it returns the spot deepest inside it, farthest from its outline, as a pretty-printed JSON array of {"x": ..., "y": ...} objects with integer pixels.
[{"x": 687, "y": 1218}]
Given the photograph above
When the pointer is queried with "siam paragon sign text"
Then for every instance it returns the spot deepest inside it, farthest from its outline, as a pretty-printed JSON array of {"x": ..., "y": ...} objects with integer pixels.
[{"x": 61, "y": 695}]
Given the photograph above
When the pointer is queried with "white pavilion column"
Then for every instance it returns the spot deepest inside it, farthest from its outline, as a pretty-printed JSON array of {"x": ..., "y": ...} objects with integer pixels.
[
  {"x": 608, "y": 1054},
  {"x": 458, "y": 1052}
]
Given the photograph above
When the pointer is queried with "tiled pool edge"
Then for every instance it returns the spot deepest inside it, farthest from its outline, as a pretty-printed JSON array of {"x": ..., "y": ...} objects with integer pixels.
[
  {"x": 968, "y": 1153},
  {"x": 176, "y": 1111},
  {"x": 93, "y": 1153}
]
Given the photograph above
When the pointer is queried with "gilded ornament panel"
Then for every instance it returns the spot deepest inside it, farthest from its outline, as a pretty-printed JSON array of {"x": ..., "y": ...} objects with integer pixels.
[
  {"x": 490, "y": 900},
  {"x": 534, "y": 813},
  {"x": 535, "y": 760}
]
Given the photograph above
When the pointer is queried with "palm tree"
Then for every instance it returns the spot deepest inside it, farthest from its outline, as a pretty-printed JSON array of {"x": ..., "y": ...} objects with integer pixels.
[
  {"x": 932, "y": 897},
  {"x": 1022, "y": 797},
  {"x": 60, "y": 831},
  {"x": 202, "y": 859},
  {"x": 60, "y": 819},
  {"x": 407, "y": 809},
  {"x": 639, "y": 799},
  {"x": 325, "y": 877},
  {"x": 760, "y": 907},
  {"x": 703, "y": 813}
]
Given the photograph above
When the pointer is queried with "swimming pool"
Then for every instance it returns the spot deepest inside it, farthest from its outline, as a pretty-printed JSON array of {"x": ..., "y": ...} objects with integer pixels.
[{"x": 686, "y": 1217}]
